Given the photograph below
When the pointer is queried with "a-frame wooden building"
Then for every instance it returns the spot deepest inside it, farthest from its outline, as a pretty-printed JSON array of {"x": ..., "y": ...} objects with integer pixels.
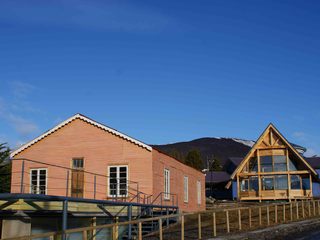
[{"x": 273, "y": 170}]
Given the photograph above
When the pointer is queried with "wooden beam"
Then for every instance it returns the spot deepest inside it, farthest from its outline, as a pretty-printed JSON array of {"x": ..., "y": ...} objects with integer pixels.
[{"x": 214, "y": 224}]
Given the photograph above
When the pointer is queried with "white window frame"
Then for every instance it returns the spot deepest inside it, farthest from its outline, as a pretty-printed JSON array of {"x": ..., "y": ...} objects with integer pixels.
[
  {"x": 38, "y": 180},
  {"x": 199, "y": 192},
  {"x": 118, "y": 178},
  {"x": 166, "y": 184},
  {"x": 186, "y": 189}
]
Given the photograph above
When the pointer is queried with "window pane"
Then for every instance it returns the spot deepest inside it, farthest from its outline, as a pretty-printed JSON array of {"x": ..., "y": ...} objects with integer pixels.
[
  {"x": 267, "y": 183},
  {"x": 292, "y": 165},
  {"x": 295, "y": 182},
  {"x": 306, "y": 183},
  {"x": 253, "y": 184},
  {"x": 244, "y": 185},
  {"x": 281, "y": 182},
  {"x": 266, "y": 163},
  {"x": 253, "y": 165},
  {"x": 280, "y": 163}
]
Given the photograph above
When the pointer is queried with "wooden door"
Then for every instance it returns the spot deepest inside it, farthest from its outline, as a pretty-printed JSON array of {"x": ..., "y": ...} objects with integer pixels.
[
  {"x": 77, "y": 183},
  {"x": 77, "y": 178}
]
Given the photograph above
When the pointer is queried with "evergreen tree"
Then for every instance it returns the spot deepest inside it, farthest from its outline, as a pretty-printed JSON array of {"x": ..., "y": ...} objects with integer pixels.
[
  {"x": 215, "y": 165},
  {"x": 193, "y": 159},
  {"x": 5, "y": 169}
]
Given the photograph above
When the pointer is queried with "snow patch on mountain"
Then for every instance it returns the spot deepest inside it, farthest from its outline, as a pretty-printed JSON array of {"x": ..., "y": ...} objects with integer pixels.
[{"x": 249, "y": 143}]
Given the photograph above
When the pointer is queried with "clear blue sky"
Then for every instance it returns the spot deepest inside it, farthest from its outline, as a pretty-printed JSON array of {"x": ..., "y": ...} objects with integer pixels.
[{"x": 162, "y": 71}]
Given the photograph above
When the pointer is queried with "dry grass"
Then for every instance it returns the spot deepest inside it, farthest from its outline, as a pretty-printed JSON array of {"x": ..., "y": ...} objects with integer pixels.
[{"x": 283, "y": 215}]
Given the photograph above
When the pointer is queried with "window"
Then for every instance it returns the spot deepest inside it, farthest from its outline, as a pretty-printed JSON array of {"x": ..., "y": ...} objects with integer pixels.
[
  {"x": 295, "y": 182},
  {"x": 186, "y": 189},
  {"x": 280, "y": 163},
  {"x": 266, "y": 163},
  {"x": 77, "y": 163},
  {"x": 306, "y": 183},
  {"x": 253, "y": 184},
  {"x": 38, "y": 181},
  {"x": 253, "y": 164},
  {"x": 267, "y": 183},
  {"x": 281, "y": 182},
  {"x": 118, "y": 181},
  {"x": 167, "y": 184},
  {"x": 244, "y": 185},
  {"x": 199, "y": 192}
]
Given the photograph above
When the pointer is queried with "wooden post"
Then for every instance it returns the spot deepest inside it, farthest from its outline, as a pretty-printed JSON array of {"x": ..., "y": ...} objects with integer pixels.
[
  {"x": 214, "y": 224},
  {"x": 276, "y": 213},
  {"x": 268, "y": 219},
  {"x": 160, "y": 229},
  {"x": 114, "y": 232},
  {"x": 302, "y": 205},
  {"x": 284, "y": 212},
  {"x": 84, "y": 235},
  {"x": 259, "y": 176},
  {"x": 199, "y": 226},
  {"x": 250, "y": 225},
  {"x": 260, "y": 218},
  {"x": 297, "y": 209},
  {"x": 227, "y": 221},
  {"x": 238, "y": 187},
  {"x": 291, "y": 216},
  {"x": 182, "y": 227},
  {"x": 140, "y": 230},
  {"x": 309, "y": 208},
  {"x": 239, "y": 218},
  {"x": 318, "y": 207},
  {"x": 314, "y": 207},
  {"x": 288, "y": 176}
]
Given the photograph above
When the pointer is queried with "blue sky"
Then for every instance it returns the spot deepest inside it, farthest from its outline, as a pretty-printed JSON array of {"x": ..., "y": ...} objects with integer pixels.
[{"x": 162, "y": 71}]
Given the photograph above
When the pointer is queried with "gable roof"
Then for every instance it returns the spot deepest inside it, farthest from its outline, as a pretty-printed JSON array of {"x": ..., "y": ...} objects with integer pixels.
[
  {"x": 257, "y": 143},
  {"x": 85, "y": 119}
]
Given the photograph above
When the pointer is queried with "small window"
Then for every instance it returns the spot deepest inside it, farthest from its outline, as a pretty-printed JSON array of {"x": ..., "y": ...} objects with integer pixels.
[
  {"x": 38, "y": 181},
  {"x": 199, "y": 192},
  {"x": 167, "y": 184},
  {"x": 77, "y": 163},
  {"x": 186, "y": 189},
  {"x": 118, "y": 181},
  {"x": 244, "y": 185}
]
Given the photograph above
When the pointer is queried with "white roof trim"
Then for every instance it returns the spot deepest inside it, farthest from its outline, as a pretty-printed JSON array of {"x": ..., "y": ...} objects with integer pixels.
[{"x": 88, "y": 120}]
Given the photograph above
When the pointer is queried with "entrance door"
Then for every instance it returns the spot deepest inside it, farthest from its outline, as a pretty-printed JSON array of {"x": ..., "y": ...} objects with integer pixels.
[{"x": 77, "y": 178}]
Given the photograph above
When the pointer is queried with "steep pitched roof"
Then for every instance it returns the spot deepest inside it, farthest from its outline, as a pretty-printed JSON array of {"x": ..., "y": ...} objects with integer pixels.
[
  {"x": 259, "y": 141},
  {"x": 85, "y": 119}
]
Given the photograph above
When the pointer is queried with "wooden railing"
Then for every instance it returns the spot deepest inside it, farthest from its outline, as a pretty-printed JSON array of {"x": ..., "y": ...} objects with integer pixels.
[{"x": 223, "y": 221}]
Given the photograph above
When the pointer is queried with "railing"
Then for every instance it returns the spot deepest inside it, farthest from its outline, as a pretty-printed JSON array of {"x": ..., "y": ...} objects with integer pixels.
[
  {"x": 168, "y": 198},
  {"x": 59, "y": 180},
  {"x": 219, "y": 221}
]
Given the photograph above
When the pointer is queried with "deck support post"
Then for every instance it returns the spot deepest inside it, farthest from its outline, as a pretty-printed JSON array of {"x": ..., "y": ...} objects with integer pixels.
[
  {"x": 167, "y": 218},
  {"x": 260, "y": 218},
  {"x": 199, "y": 226},
  {"x": 297, "y": 209},
  {"x": 268, "y": 218},
  {"x": 250, "y": 224},
  {"x": 182, "y": 227},
  {"x": 239, "y": 219},
  {"x": 64, "y": 219},
  {"x": 276, "y": 213},
  {"x": 291, "y": 216},
  {"x": 129, "y": 219}
]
